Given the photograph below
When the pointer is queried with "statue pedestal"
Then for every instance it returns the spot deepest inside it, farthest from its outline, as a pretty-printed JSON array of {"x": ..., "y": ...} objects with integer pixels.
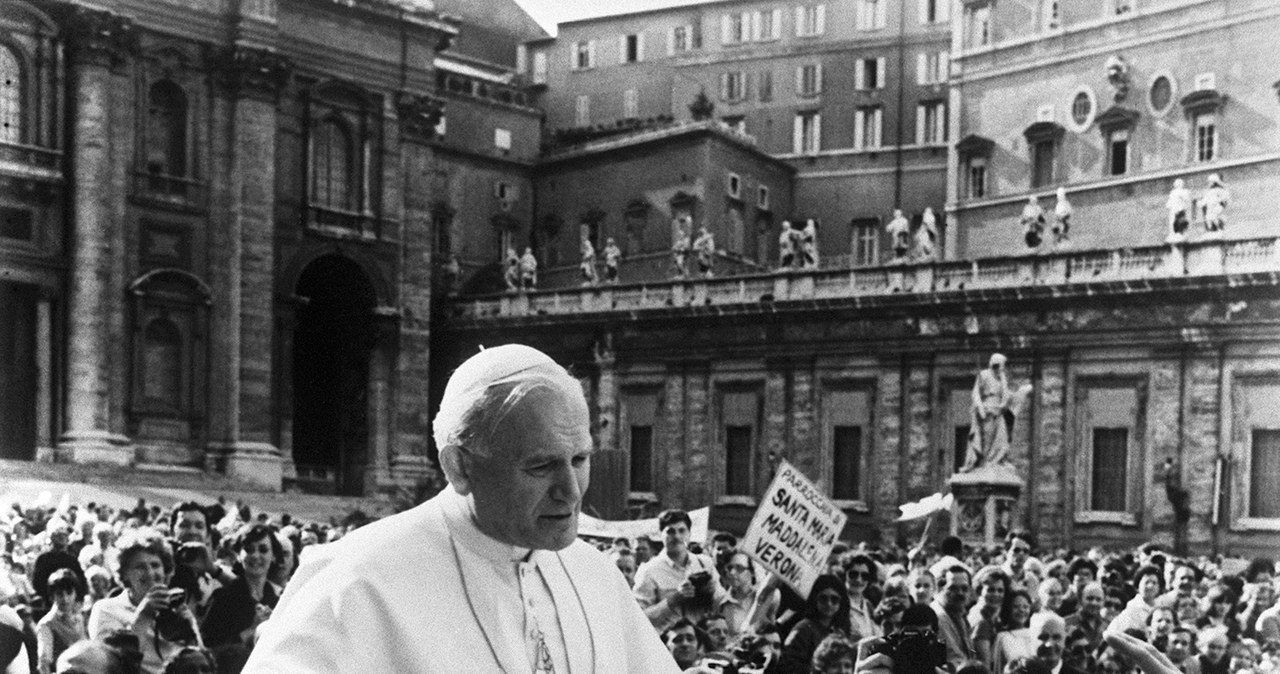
[{"x": 985, "y": 504}]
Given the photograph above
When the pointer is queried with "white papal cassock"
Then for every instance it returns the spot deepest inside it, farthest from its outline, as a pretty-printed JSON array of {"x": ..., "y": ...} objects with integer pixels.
[{"x": 424, "y": 591}]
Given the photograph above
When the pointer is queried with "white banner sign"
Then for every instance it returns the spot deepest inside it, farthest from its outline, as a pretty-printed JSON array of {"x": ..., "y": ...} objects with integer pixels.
[{"x": 794, "y": 529}]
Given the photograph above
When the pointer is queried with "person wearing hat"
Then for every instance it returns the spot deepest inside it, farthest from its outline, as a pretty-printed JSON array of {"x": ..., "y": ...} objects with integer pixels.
[{"x": 486, "y": 576}]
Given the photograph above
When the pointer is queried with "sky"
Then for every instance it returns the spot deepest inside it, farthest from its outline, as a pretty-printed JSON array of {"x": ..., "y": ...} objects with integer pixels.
[{"x": 550, "y": 12}]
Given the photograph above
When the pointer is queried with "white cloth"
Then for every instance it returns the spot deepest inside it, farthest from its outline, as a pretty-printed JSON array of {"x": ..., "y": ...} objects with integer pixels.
[{"x": 406, "y": 594}]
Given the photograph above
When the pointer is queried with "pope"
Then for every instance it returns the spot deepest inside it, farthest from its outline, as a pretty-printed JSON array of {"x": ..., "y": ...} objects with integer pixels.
[{"x": 488, "y": 575}]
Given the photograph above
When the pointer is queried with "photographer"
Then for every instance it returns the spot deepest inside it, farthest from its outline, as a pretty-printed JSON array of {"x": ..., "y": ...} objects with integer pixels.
[
  {"x": 157, "y": 615},
  {"x": 913, "y": 648},
  {"x": 677, "y": 583}
]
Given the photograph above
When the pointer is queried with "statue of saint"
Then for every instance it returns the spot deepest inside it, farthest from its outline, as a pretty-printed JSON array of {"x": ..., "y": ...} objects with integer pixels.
[
  {"x": 679, "y": 246},
  {"x": 927, "y": 235},
  {"x": 899, "y": 231},
  {"x": 528, "y": 270},
  {"x": 1033, "y": 223},
  {"x": 809, "y": 245},
  {"x": 786, "y": 247},
  {"x": 511, "y": 271},
  {"x": 705, "y": 247},
  {"x": 1214, "y": 204},
  {"x": 612, "y": 258},
  {"x": 588, "y": 264},
  {"x": 992, "y": 413},
  {"x": 1062, "y": 213},
  {"x": 1179, "y": 207}
]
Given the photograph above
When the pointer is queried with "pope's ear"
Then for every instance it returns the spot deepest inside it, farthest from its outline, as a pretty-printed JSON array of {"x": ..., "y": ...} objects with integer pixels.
[{"x": 456, "y": 470}]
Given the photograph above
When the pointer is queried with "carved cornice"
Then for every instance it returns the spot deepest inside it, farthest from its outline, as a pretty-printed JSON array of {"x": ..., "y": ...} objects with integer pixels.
[
  {"x": 100, "y": 38},
  {"x": 419, "y": 115},
  {"x": 1117, "y": 117},
  {"x": 1043, "y": 131},
  {"x": 249, "y": 72},
  {"x": 1203, "y": 100},
  {"x": 974, "y": 145}
]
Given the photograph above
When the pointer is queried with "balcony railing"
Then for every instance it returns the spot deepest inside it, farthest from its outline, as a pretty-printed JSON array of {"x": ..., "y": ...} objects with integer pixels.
[{"x": 1202, "y": 258}]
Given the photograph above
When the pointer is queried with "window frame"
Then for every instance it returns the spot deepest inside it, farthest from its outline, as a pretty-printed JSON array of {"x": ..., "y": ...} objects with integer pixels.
[
  {"x": 1205, "y": 145},
  {"x": 868, "y": 118},
  {"x": 807, "y": 132},
  {"x": 1136, "y": 461},
  {"x": 754, "y": 478},
  {"x": 1265, "y": 384},
  {"x": 834, "y": 418},
  {"x": 20, "y": 99}
]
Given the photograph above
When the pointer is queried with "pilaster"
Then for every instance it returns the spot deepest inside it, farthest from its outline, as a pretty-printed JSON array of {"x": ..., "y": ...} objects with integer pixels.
[{"x": 100, "y": 40}]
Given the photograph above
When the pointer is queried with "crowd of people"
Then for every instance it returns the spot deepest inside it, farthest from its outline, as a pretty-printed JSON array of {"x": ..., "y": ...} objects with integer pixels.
[
  {"x": 183, "y": 590},
  {"x": 90, "y": 588},
  {"x": 956, "y": 608}
]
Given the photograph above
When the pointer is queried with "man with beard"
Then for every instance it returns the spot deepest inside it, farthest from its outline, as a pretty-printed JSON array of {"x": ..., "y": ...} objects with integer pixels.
[{"x": 1050, "y": 633}]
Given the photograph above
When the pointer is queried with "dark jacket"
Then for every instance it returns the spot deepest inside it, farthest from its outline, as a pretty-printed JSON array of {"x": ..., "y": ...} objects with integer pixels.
[{"x": 231, "y": 611}]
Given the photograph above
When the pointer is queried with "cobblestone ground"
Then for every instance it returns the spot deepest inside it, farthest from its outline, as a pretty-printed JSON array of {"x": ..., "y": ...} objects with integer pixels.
[{"x": 24, "y": 482}]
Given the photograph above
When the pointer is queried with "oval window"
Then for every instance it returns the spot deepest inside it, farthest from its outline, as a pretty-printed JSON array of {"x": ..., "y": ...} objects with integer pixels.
[
  {"x": 1081, "y": 108},
  {"x": 1161, "y": 94}
]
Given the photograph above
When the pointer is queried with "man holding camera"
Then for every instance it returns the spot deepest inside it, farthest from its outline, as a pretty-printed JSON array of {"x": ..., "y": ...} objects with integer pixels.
[{"x": 677, "y": 583}]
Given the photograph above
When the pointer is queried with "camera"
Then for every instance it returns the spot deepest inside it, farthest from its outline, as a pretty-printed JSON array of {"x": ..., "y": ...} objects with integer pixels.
[
  {"x": 702, "y": 590},
  {"x": 177, "y": 596},
  {"x": 917, "y": 651}
]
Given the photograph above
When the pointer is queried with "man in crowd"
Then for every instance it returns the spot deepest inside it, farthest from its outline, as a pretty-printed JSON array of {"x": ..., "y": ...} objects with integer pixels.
[
  {"x": 950, "y": 604},
  {"x": 674, "y": 584},
  {"x": 1088, "y": 616},
  {"x": 1019, "y": 563},
  {"x": 1080, "y": 573},
  {"x": 1183, "y": 584},
  {"x": 1180, "y": 650},
  {"x": 56, "y": 557},
  {"x": 486, "y": 576},
  {"x": 1050, "y": 634},
  {"x": 194, "y": 550},
  {"x": 682, "y": 640}
]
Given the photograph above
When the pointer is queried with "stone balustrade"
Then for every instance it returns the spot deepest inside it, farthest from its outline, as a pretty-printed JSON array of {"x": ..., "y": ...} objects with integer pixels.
[{"x": 1201, "y": 258}]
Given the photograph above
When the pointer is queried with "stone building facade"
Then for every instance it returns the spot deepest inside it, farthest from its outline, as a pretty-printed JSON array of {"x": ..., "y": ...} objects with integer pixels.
[{"x": 220, "y": 228}]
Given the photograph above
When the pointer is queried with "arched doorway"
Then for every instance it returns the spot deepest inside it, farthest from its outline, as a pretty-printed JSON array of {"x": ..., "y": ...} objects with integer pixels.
[{"x": 331, "y": 350}]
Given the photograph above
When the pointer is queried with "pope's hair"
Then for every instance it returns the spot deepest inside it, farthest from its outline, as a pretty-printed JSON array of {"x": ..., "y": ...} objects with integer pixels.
[{"x": 471, "y": 418}]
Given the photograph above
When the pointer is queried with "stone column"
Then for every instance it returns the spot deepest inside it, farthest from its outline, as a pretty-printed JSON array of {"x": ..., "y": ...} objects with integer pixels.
[
  {"x": 377, "y": 472},
  {"x": 99, "y": 39},
  {"x": 254, "y": 79},
  {"x": 44, "y": 378}
]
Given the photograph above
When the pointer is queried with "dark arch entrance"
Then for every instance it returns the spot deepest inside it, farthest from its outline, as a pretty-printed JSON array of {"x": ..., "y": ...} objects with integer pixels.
[
  {"x": 332, "y": 345},
  {"x": 18, "y": 371}
]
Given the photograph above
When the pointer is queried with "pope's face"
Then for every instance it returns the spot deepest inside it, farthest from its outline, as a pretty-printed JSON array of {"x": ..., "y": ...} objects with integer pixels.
[{"x": 528, "y": 489}]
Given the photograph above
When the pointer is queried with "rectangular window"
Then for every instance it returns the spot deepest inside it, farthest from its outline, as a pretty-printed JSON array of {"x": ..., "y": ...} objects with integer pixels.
[
  {"x": 766, "y": 86},
  {"x": 809, "y": 80},
  {"x": 762, "y": 198},
  {"x": 1206, "y": 137},
  {"x": 737, "y": 469},
  {"x": 1118, "y": 152},
  {"x": 846, "y": 462},
  {"x": 811, "y": 20},
  {"x": 582, "y": 115},
  {"x": 866, "y": 242},
  {"x": 540, "y": 67},
  {"x": 807, "y": 137},
  {"x": 934, "y": 11},
  {"x": 978, "y": 26},
  {"x": 641, "y": 458},
  {"x": 847, "y": 416},
  {"x": 584, "y": 55},
  {"x": 977, "y": 178},
  {"x": 732, "y": 86},
  {"x": 1110, "y": 475},
  {"x": 868, "y": 74},
  {"x": 679, "y": 40},
  {"x": 735, "y": 28},
  {"x": 733, "y": 186},
  {"x": 631, "y": 48},
  {"x": 1264, "y": 466},
  {"x": 870, "y": 14},
  {"x": 630, "y": 104},
  {"x": 931, "y": 123},
  {"x": 766, "y": 25},
  {"x": 1042, "y": 159},
  {"x": 932, "y": 68},
  {"x": 867, "y": 124},
  {"x": 1052, "y": 15},
  {"x": 502, "y": 139}
]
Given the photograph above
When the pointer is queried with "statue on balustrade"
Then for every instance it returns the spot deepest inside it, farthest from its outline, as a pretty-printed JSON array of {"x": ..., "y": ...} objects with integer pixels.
[
  {"x": 705, "y": 247},
  {"x": 612, "y": 258},
  {"x": 786, "y": 246},
  {"x": 588, "y": 264},
  {"x": 899, "y": 231},
  {"x": 680, "y": 245},
  {"x": 1179, "y": 207},
  {"x": 1033, "y": 223},
  {"x": 511, "y": 271},
  {"x": 992, "y": 413},
  {"x": 1062, "y": 213},
  {"x": 528, "y": 270},
  {"x": 927, "y": 236},
  {"x": 809, "y": 245},
  {"x": 1214, "y": 205}
]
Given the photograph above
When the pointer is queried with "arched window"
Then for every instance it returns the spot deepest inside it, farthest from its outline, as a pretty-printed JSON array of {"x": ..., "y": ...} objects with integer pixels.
[
  {"x": 162, "y": 363},
  {"x": 166, "y": 130},
  {"x": 331, "y": 165},
  {"x": 10, "y": 96}
]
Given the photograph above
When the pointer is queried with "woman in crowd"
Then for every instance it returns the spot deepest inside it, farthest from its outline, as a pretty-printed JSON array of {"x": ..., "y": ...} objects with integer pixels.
[
  {"x": 826, "y": 611},
  {"x": 64, "y": 624},
  {"x": 739, "y": 573},
  {"x": 236, "y": 610},
  {"x": 922, "y": 586},
  {"x": 1049, "y": 594},
  {"x": 992, "y": 585},
  {"x": 1259, "y": 598},
  {"x": 1150, "y": 584},
  {"x": 1219, "y": 605},
  {"x": 860, "y": 573},
  {"x": 162, "y": 623},
  {"x": 1015, "y": 639},
  {"x": 834, "y": 655}
]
